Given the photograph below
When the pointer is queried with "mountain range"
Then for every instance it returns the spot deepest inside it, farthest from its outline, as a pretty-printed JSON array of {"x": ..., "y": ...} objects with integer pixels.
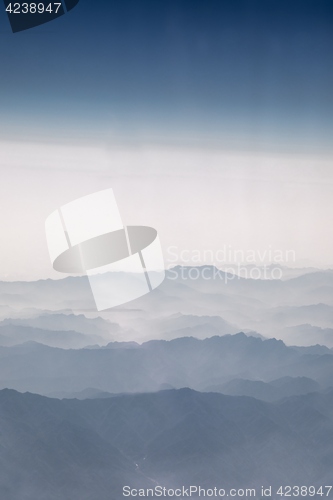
[
  {"x": 154, "y": 365},
  {"x": 87, "y": 450},
  {"x": 181, "y": 306},
  {"x": 223, "y": 382}
]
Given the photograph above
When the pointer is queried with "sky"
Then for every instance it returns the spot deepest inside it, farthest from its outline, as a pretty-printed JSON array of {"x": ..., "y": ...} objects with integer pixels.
[{"x": 211, "y": 120}]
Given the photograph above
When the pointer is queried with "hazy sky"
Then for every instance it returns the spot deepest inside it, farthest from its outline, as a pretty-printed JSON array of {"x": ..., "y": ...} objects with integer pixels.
[{"x": 211, "y": 120}]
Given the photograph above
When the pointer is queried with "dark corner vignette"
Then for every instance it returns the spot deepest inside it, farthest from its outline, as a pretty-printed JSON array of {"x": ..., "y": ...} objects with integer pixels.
[{"x": 29, "y": 14}]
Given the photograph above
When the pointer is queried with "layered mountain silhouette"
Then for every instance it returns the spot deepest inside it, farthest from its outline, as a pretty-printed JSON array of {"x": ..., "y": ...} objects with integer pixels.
[
  {"x": 124, "y": 406},
  {"x": 268, "y": 391},
  {"x": 207, "y": 364},
  {"x": 57, "y": 330},
  {"x": 90, "y": 449},
  {"x": 298, "y": 310}
]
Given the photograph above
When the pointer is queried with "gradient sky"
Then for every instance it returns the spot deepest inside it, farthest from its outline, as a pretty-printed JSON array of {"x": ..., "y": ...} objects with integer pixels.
[
  {"x": 221, "y": 111},
  {"x": 242, "y": 69}
]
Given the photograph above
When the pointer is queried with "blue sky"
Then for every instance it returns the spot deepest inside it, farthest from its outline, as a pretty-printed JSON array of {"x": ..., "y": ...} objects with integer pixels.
[
  {"x": 233, "y": 72},
  {"x": 212, "y": 121}
]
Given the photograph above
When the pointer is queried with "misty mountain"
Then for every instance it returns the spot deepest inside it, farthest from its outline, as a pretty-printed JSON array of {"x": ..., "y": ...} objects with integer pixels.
[
  {"x": 304, "y": 334},
  {"x": 184, "y": 362},
  {"x": 183, "y": 325},
  {"x": 57, "y": 330},
  {"x": 318, "y": 314},
  {"x": 49, "y": 451},
  {"x": 268, "y": 391},
  {"x": 313, "y": 349},
  {"x": 69, "y": 293},
  {"x": 66, "y": 322},
  {"x": 89, "y": 449},
  {"x": 187, "y": 303},
  {"x": 89, "y": 393},
  {"x": 275, "y": 269},
  {"x": 11, "y": 335},
  {"x": 265, "y": 391}
]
